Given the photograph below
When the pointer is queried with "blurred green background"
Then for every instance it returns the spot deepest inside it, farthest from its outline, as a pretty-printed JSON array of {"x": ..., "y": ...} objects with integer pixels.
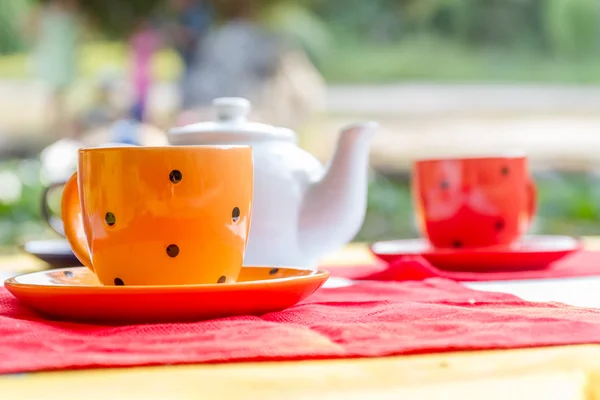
[
  {"x": 354, "y": 42},
  {"x": 371, "y": 41}
]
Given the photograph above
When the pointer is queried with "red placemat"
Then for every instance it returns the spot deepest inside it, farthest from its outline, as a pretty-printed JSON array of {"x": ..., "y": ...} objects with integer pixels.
[
  {"x": 365, "y": 320},
  {"x": 583, "y": 263}
]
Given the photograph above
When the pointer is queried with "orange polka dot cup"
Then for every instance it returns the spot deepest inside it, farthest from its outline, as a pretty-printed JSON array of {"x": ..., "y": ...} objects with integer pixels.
[
  {"x": 473, "y": 202},
  {"x": 160, "y": 215}
]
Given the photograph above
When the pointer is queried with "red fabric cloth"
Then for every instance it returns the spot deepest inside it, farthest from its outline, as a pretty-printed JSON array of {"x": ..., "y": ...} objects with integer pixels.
[
  {"x": 365, "y": 320},
  {"x": 583, "y": 263}
]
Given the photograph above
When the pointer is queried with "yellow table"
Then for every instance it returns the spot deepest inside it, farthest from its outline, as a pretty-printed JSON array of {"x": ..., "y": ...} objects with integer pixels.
[{"x": 562, "y": 373}]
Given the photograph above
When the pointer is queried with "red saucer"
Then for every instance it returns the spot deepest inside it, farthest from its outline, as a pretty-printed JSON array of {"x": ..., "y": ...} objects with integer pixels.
[{"x": 531, "y": 252}]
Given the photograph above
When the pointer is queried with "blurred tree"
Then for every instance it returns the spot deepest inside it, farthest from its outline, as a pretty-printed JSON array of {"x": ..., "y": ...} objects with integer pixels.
[
  {"x": 301, "y": 24},
  {"x": 565, "y": 26},
  {"x": 11, "y": 12},
  {"x": 508, "y": 23},
  {"x": 572, "y": 26},
  {"x": 504, "y": 23},
  {"x": 359, "y": 20},
  {"x": 116, "y": 18}
]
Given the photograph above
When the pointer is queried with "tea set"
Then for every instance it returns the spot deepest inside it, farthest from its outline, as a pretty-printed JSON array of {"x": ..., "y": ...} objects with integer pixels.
[{"x": 232, "y": 218}]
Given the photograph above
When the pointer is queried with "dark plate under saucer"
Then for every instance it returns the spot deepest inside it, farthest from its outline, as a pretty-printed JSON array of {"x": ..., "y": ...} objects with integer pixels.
[{"x": 55, "y": 252}]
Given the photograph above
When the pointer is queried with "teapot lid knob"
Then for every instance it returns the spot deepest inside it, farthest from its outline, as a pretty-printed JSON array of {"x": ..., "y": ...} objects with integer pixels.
[{"x": 231, "y": 108}]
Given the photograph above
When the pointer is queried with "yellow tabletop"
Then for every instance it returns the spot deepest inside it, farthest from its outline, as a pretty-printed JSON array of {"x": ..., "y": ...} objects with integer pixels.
[{"x": 562, "y": 373}]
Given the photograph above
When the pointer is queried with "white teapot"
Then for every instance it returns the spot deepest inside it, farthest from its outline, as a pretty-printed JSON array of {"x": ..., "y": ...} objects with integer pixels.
[{"x": 301, "y": 210}]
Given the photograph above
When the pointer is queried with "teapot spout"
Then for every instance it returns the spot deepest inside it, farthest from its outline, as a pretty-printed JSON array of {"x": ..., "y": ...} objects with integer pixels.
[{"x": 334, "y": 207}]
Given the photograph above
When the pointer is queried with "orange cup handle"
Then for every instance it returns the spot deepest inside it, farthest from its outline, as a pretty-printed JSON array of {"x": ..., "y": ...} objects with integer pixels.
[
  {"x": 531, "y": 199},
  {"x": 73, "y": 221}
]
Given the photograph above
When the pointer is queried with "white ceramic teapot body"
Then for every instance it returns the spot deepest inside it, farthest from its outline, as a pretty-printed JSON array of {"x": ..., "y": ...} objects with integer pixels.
[{"x": 301, "y": 210}]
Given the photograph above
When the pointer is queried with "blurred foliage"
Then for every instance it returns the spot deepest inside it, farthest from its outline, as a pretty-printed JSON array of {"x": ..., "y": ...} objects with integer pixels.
[
  {"x": 20, "y": 192},
  {"x": 11, "y": 13},
  {"x": 382, "y": 40},
  {"x": 569, "y": 204},
  {"x": 437, "y": 60},
  {"x": 559, "y": 26},
  {"x": 301, "y": 25},
  {"x": 572, "y": 26},
  {"x": 544, "y": 25},
  {"x": 118, "y": 18}
]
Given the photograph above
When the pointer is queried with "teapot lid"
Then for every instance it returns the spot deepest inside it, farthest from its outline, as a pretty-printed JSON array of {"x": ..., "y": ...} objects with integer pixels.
[{"x": 230, "y": 125}]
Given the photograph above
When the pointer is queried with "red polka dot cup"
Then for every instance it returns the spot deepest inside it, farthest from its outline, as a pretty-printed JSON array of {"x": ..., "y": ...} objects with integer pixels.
[{"x": 474, "y": 201}]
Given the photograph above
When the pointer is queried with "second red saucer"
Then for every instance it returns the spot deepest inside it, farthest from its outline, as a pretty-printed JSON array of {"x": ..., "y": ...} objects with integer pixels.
[{"x": 531, "y": 252}]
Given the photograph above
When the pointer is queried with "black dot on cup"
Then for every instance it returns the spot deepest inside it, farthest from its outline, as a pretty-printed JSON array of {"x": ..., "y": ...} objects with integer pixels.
[
  {"x": 499, "y": 225},
  {"x": 457, "y": 244},
  {"x": 235, "y": 214},
  {"x": 175, "y": 176},
  {"x": 273, "y": 271},
  {"x": 444, "y": 185},
  {"x": 68, "y": 274},
  {"x": 222, "y": 279},
  {"x": 504, "y": 171},
  {"x": 172, "y": 250},
  {"x": 119, "y": 282},
  {"x": 110, "y": 219}
]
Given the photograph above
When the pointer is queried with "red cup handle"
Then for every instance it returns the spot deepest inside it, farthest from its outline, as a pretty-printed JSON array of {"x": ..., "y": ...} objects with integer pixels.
[{"x": 531, "y": 200}]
